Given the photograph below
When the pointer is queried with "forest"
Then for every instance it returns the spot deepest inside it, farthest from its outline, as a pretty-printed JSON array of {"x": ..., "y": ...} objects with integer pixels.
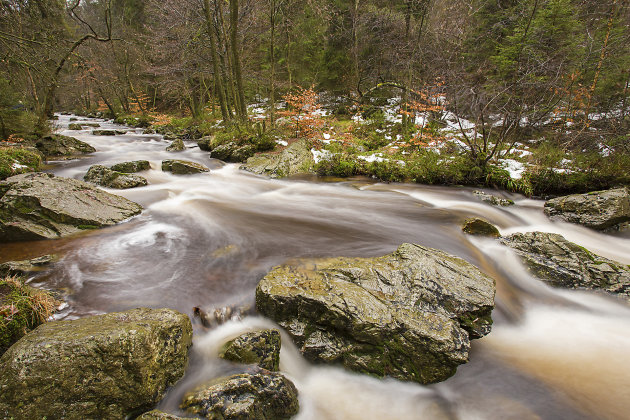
[{"x": 476, "y": 79}]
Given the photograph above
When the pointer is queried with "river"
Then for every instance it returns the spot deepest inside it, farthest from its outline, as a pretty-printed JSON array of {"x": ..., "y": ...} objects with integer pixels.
[{"x": 206, "y": 240}]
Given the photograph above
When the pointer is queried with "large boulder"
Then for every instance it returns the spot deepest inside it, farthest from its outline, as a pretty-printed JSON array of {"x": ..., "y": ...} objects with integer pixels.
[
  {"x": 183, "y": 167},
  {"x": 107, "y": 366},
  {"x": 256, "y": 395},
  {"x": 57, "y": 145},
  {"x": 43, "y": 206},
  {"x": 102, "y": 175},
  {"x": 564, "y": 264},
  {"x": 132, "y": 166},
  {"x": 233, "y": 152},
  {"x": 258, "y": 347},
  {"x": 206, "y": 143},
  {"x": 295, "y": 159},
  {"x": 598, "y": 210},
  {"x": 409, "y": 314}
]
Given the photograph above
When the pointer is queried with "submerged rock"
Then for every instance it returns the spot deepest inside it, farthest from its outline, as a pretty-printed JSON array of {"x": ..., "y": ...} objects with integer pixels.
[
  {"x": 598, "y": 210},
  {"x": 564, "y": 264},
  {"x": 493, "y": 199},
  {"x": 43, "y": 206},
  {"x": 260, "y": 395},
  {"x": 23, "y": 267},
  {"x": 176, "y": 146},
  {"x": 480, "y": 227},
  {"x": 106, "y": 366},
  {"x": 104, "y": 132},
  {"x": 183, "y": 167},
  {"x": 219, "y": 316},
  {"x": 295, "y": 159},
  {"x": 58, "y": 145},
  {"x": 132, "y": 167},
  {"x": 408, "y": 314},
  {"x": 102, "y": 175},
  {"x": 259, "y": 347}
]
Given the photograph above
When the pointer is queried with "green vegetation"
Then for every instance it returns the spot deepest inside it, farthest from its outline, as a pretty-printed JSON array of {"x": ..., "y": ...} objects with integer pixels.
[
  {"x": 22, "y": 308},
  {"x": 17, "y": 160}
]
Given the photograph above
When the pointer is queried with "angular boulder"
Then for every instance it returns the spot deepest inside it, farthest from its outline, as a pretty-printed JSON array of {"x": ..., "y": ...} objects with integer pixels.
[
  {"x": 183, "y": 167},
  {"x": 102, "y": 175},
  {"x": 106, "y": 366},
  {"x": 43, "y": 206},
  {"x": 258, "y": 395},
  {"x": 205, "y": 143},
  {"x": 409, "y": 314},
  {"x": 561, "y": 263},
  {"x": 131, "y": 167},
  {"x": 493, "y": 199},
  {"x": 57, "y": 145},
  {"x": 597, "y": 210},
  {"x": 480, "y": 227},
  {"x": 259, "y": 347},
  {"x": 296, "y": 158},
  {"x": 176, "y": 146}
]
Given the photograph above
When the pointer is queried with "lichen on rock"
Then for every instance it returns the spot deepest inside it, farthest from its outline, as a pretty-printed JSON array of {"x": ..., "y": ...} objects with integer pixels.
[{"x": 259, "y": 347}]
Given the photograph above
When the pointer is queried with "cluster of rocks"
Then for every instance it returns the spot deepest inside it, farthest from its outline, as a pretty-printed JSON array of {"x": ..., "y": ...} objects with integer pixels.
[
  {"x": 561, "y": 263},
  {"x": 227, "y": 152}
]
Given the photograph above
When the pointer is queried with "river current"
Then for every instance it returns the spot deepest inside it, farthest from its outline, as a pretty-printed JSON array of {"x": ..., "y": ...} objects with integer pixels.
[{"x": 206, "y": 240}]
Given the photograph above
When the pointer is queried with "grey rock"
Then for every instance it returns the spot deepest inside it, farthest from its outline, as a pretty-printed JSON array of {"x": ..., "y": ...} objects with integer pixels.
[
  {"x": 183, "y": 167},
  {"x": 409, "y": 314},
  {"x": 561, "y": 263},
  {"x": 259, "y": 395},
  {"x": 296, "y": 158},
  {"x": 106, "y": 366},
  {"x": 132, "y": 166},
  {"x": 493, "y": 199},
  {"x": 24, "y": 267},
  {"x": 598, "y": 210},
  {"x": 43, "y": 206},
  {"x": 102, "y": 175},
  {"x": 205, "y": 143},
  {"x": 233, "y": 152},
  {"x": 259, "y": 347},
  {"x": 103, "y": 132},
  {"x": 75, "y": 127},
  {"x": 57, "y": 145},
  {"x": 158, "y": 415}
]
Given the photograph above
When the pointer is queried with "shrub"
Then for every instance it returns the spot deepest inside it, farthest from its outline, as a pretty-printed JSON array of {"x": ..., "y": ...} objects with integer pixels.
[{"x": 22, "y": 308}]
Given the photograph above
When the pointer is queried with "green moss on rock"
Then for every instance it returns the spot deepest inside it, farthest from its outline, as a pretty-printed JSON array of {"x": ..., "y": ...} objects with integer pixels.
[{"x": 259, "y": 347}]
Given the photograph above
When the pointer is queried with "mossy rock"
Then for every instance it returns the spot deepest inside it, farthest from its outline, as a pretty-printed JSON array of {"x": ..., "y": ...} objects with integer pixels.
[
  {"x": 23, "y": 267},
  {"x": 183, "y": 167},
  {"x": 295, "y": 159},
  {"x": 75, "y": 127},
  {"x": 409, "y": 314},
  {"x": 256, "y": 395},
  {"x": 103, "y": 132},
  {"x": 107, "y": 366},
  {"x": 493, "y": 199},
  {"x": 22, "y": 308},
  {"x": 131, "y": 167},
  {"x": 598, "y": 210},
  {"x": 106, "y": 177},
  {"x": 260, "y": 347},
  {"x": 176, "y": 146},
  {"x": 480, "y": 227},
  {"x": 158, "y": 415},
  {"x": 58, "y": 145}
]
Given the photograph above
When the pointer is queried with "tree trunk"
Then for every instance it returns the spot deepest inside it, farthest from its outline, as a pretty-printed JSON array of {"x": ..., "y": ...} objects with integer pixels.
[
  {"x": 236, "y": 61},
  {"x": 272, "y": 76},
  {"x": 215, "y": 61}
]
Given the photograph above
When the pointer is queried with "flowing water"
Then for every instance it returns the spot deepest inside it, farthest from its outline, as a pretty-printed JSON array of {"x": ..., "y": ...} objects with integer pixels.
[{"x": 206, "y": 240}]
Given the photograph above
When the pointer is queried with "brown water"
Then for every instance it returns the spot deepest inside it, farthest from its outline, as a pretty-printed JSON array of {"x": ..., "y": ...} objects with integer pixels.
[{"x": 205, "y": 240}]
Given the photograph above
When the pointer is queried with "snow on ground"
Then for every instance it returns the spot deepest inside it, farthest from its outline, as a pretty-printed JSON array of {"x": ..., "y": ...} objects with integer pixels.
[
  {"x": 282, "y": 142},
  {"x": 319, "y": 155},
  {"x": 514, "y": 167},
  {"x": 376, "y": 157}
]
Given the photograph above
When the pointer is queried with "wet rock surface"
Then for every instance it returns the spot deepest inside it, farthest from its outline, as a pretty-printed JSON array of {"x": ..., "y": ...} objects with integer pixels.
[
  {"x": 102, "y": 175},
  {"x": 24, "y": 267},
  {"x": 176, "y": 146},
  {"x": 599, "y": 210},
  {"x": 259, "y": 347},
  {"x": 132, "y": 166},
  {"x": 105, "y": 366},
  {"x": 183, "y": 167},
  {"x": 58, "y": 145},
  {"x": 409, "y": 314},
  {"x": 561, "y": 263},
  {"x": 256, "y": 395},
  {"x": 493, "y": 199},
  {"x": 43, "y": 206},
  {"x": 480, "y": 227}
]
